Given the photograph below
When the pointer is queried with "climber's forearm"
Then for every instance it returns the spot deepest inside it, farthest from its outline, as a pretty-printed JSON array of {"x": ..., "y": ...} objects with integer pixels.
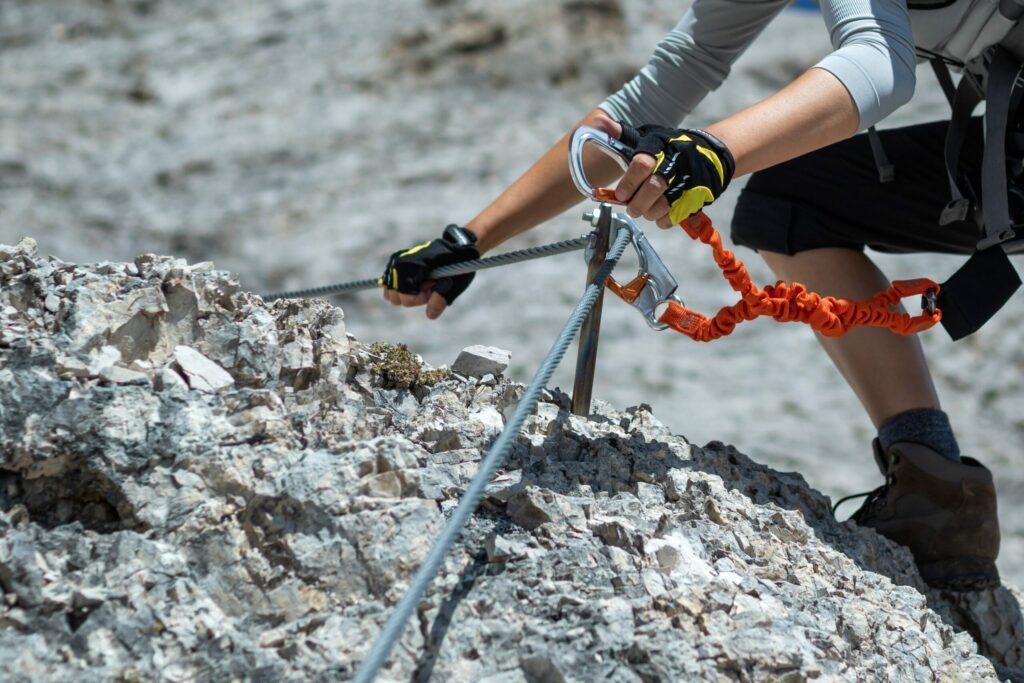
[
  {"x": 542, "y": 192},
  {"x": 812, "y": 112}
]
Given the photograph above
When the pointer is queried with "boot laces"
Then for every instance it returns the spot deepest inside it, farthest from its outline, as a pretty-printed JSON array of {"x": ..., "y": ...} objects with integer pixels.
[{"x": 872, "y": 497}]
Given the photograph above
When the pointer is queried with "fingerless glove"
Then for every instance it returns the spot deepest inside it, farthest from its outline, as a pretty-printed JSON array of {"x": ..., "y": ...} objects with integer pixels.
[
  {"x": 696, "y": 166},
  {"x": 408, "y": 269}
]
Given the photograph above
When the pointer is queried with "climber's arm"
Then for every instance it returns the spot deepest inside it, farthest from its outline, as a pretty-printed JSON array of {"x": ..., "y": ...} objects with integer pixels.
[
  {"x": 812, "y": 112},
  {"x": 868, "y": 75},
  {"x": 542, "y": 192},
  {"x": 692, "y": 59}
]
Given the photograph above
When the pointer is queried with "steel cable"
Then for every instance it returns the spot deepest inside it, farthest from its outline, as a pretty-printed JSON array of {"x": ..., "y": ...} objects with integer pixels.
[
  {"x": 507, "y": 259},
  {"x": 392, "y": 631}
]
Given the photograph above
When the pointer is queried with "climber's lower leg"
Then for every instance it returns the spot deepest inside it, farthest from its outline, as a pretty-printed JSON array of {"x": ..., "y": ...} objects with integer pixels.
[
  {"x": 824, "y": 209},
  {"x": 926, "y": 480},
  {"x": 887, "y": 371}
]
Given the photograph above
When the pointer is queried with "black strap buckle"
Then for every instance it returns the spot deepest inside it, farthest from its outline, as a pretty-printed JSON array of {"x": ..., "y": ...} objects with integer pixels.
[
  {"x": 930, "y": 301},
  {"x": 999, "y": 238},
  {"x": 955, "y": 211}
]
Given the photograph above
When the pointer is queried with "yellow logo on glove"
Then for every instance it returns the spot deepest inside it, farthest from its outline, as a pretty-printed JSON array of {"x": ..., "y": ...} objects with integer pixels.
[{"x": 690, "y": 199}]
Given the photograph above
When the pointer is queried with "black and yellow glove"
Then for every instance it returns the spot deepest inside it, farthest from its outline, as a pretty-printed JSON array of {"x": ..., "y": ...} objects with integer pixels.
[
  {"x": 407, "y": 269},
  {"x": 696, "y": 166}
]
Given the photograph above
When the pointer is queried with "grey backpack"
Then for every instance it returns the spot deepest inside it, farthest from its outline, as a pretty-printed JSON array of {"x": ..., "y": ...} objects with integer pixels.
[{"x": 990, "y": 53}]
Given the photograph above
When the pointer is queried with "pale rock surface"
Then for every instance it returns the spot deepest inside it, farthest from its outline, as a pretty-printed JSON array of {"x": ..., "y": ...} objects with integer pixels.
[
  {"x": 119, "y": 375},
  {"x": 239, "y": 132},
  {"x": 263, "y": 532},
  {"x": 481, "y": 361},
  {"x": 200, "y": 372}
]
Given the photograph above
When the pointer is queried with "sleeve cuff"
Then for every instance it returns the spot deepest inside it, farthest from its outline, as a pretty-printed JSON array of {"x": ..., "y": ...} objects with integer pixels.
[{"x": 863, "y": 89}]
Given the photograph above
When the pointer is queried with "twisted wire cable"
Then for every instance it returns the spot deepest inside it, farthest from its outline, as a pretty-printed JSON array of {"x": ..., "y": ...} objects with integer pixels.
[
  {"x": 507, "y": 259},
  {"x": 392, "y": 631}
]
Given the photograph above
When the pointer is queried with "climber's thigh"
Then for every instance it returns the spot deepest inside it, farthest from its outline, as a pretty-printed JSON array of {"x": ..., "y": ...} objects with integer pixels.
[{"x": 833, "y": 197}]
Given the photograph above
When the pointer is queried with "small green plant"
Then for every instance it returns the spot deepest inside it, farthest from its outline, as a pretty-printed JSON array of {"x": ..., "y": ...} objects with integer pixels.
[{"x": 401, "y": 369}]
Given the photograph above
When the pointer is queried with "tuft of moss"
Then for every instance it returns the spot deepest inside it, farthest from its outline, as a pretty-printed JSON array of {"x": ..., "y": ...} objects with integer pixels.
[{"x": 401, "y": 369}]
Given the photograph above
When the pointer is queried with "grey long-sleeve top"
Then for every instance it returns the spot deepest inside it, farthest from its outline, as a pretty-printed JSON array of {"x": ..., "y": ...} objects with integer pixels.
[{"x": 874, "y": 57}]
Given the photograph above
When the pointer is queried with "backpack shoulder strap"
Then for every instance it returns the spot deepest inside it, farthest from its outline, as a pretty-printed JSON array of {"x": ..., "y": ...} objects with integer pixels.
[
  {"x": 966, "y": 98},
  {"x": 1003, "y": 72},
  {"x": 987, "y": 280}
]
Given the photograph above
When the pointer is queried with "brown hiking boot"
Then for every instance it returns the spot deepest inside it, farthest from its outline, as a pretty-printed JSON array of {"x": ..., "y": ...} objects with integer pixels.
[{"x": 944, "y": 512}]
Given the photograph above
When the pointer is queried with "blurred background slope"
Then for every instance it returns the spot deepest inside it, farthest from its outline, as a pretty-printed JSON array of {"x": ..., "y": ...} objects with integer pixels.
[{"x": 299, "y": 142}]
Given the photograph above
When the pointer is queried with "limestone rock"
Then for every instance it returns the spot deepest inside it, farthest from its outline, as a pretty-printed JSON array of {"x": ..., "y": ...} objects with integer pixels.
[
  {"x": 480, "y": 361},
  {"x": 102, "y": 358},
  {"x": 502, "y": 548},
  {"x": 169, "y": 378},
  {"x": 262, "y": 528},
  {"x": 200, "y": 372},
  {"x": 119, "y": 375}
]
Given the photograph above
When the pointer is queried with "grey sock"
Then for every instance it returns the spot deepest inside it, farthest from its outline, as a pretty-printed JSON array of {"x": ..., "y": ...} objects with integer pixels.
[{"x": 926, "y": 426}]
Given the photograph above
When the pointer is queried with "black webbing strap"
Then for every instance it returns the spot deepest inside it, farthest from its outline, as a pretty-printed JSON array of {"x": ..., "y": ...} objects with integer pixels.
[
  {"x": 945, "y": 78},
  {"x": 966, "y": 97},
  {"x": 987, "y": 281},
  {"x": 976, "y": 292},
  {"x": 995, "y": 195},
  {"x": 886, "y": 171}
]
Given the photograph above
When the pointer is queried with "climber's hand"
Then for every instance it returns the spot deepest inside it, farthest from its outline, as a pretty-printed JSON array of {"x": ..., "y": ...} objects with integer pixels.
[
  {"x": 405, "y": 279},
  {"x": 674, "y": 173}
]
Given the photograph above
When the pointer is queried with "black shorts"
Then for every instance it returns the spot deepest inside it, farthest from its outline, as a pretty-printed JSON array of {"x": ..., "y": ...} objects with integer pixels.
[{"x": 833, "y": 197}]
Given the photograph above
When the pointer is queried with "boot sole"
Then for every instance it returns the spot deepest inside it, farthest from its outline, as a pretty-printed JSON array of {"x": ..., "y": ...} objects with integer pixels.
[{"x": 960, "y": 574}]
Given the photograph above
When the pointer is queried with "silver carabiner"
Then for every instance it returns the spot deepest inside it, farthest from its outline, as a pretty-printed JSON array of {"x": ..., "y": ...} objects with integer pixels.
[
  {"x": 615, "y": 149},
  {"x": 654, "y": 285}
]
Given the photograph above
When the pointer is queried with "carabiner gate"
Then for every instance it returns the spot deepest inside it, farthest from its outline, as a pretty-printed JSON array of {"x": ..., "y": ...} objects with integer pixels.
[{"x": 653, "y": 285}]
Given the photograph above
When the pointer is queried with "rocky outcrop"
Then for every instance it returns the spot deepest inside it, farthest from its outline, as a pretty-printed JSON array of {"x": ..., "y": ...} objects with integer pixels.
[{"x": 198, "y": 486}]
